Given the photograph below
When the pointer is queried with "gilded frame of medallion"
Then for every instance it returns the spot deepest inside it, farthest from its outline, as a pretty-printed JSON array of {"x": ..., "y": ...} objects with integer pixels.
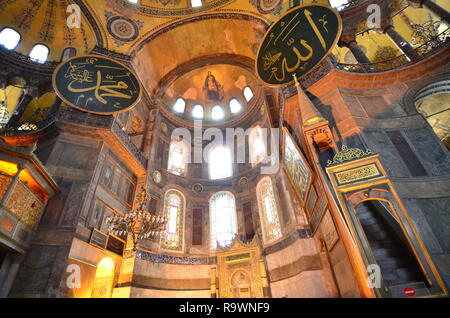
[
  {"x": 58, "y": 93},
  {"x": 326, "y": 54},
  {"x": 383, "y": 184}
]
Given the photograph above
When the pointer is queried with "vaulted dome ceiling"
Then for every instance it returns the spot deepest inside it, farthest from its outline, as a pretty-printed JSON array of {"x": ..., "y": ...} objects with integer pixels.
[
  {"x": 45, "y": 22},
  {"x": 169, "y": 8},
  {"x": 210, "y": 86}
]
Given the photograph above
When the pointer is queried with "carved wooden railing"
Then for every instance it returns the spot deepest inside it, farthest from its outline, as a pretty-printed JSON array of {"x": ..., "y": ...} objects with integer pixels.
[
  {"x": 421, "y": 52},
  {"x": 350, "y": 4}
]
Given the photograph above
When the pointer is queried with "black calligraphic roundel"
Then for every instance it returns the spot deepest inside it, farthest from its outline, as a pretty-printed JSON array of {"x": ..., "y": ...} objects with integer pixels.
[
  {"x": 96, "y": 84},
  {"x": 297, "y": 42}
]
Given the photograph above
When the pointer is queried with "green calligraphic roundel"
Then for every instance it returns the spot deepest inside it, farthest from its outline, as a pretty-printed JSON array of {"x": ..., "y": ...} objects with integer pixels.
[
  {"x": 297, "y": 42},
  {"x": 96, "y": 84}
]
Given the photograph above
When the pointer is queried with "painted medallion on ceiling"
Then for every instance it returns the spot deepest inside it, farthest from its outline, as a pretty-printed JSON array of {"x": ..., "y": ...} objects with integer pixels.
[
  {"x": 122, "y": 29},
  {"x": 268, "y": 6},
  {"x": 170, "y": 8}
]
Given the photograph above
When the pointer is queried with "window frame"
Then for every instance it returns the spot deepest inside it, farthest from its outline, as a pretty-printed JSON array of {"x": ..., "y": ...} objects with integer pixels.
[
  {"x": 231, "y": 109},
  {"x": 212, "y": 222},
  {"x": 214, "y": 148},
  {"x": 123, "y": 173},
  {"x": 39, "y": 61},
  {"x": 203, "y": 111},
  {"x": 266, "y": 225},
  {"x": 18, "y": 42},
  {"x": 251, "y": 91},
  {"x": 186, "y": 155},
  {"x": 222, "y": 110},
  {"x": 181, "y": 224}
]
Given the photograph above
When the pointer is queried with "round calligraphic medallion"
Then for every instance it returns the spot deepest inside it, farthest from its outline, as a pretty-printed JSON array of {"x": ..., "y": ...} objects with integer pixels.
[
  {"x": 96, "y": 84},
  {"x": 297, "y": 43},
  {"x": 197, "y": 188}
]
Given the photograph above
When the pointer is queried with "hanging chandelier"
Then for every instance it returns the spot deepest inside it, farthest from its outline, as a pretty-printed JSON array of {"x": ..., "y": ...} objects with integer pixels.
[{"x": 138, "y": 223}]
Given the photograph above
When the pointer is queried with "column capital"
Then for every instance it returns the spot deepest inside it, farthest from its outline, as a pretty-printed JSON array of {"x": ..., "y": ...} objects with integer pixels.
[
  {"x": 346, "y": 38},
  {"x": 385, "y": 24}
]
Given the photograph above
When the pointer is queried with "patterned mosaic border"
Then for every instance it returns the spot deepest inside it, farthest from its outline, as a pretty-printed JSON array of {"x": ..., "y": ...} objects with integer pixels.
[
  {"x": 177, "y": 260},
  {"x": 174, "y": 12}
]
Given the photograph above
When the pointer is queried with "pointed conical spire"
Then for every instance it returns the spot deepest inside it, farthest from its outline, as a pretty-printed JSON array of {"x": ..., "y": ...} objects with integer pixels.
[{"x": 309, "y": 115}]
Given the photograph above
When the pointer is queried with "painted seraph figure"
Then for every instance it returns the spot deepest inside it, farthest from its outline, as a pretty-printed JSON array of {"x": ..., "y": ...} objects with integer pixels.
[{"x": 212, "y": 88}]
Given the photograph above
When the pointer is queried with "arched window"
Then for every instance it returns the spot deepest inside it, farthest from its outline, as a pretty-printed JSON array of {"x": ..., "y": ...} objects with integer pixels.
[
  {"x": 268, "y": 210},
  {"x": 68, "y": 53},
  {"x": 196, "y": 3},
  {"x": 248, "y": 93},
  {"x": 338, "y": 4},
  {"x": 217, "y": 113},
  {"x": 39, "y": 53},
  {"x": 197, "y": 112},
  {"x": 178, "y": 157},
  {"x": 235, "y": 106},
  {"x": 433, "y": 103},
  {"x": 222, "y": 209},
  {"x": 9, "y": 38},
  {"x": 179, "y": 105},
  {"x": 220, "y": 163},
  {"x": 257, "y": 145},
  {"x": 172, "y": 239}
]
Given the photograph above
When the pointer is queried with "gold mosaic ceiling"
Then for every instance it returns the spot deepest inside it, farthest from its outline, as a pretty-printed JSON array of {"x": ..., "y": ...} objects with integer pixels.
[
  {"x": 166, "y": 38},
  {"x": 44, "y": 21}
]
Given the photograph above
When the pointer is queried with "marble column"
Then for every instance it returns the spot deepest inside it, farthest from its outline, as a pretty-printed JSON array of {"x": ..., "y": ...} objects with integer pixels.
[
  {"x": 358, "y": 53},
  {"x": 5, "y": 287},
  {"x": 213, "y": 283},
  {"x": 348, "y": 40},
  {"x": 433, "y": 8},
  {"x": 400, "y": 42}
]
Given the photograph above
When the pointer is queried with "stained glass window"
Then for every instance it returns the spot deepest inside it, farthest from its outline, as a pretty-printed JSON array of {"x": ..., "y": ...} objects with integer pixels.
[
  {"x": 172, "y": 239},
  {"x": 177, "y": 158},
  {"x": 268, "y": 210},
  {"x": 222, "y": 208},
  {"x": 220, "y": 163}
]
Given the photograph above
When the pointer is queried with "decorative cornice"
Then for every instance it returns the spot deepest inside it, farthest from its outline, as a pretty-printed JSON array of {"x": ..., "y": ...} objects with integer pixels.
[{"x": 349, "y": 154}]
